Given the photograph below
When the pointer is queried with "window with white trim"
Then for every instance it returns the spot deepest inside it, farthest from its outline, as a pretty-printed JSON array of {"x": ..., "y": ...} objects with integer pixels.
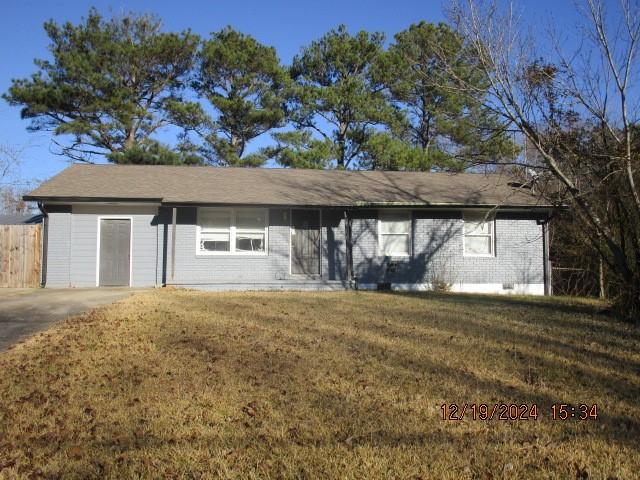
[
  {"x": 241, "y": 231},
  {"x": 394, "y": 233},
  {"x": 251, "y": 234},
  {"x": 479, "y": 234}
]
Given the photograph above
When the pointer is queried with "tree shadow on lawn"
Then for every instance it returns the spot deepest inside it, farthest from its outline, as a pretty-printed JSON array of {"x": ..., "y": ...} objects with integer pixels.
[
  {"x": 599, "y": 319},
  {"x": 576, "y": 347},
  {"x": 496, "y": 390},
  {"x": 395, "y": 371},
  {"x": 574, "y": 351},
  {"x": 284, "y": 371}
]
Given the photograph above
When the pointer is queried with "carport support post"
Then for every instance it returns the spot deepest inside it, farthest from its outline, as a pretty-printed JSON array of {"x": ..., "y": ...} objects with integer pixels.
[
  {"x": 174, "y": 214},
  {"x": 349, "y": 247}
]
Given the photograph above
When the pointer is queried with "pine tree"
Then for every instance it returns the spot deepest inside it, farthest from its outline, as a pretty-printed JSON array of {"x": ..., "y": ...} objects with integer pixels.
[
  {"x": 245, "y": 84},
  {"x": 443, "y": 127},
  {"x": 110, "y": 86},
  {"x": 335, "y": 97}
]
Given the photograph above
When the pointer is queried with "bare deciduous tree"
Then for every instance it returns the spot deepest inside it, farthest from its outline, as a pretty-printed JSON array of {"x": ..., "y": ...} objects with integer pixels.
[
  {"x": 11, "y": 188},
  {"x": 579, "y": 109},
  {"x": 9, "y": 159}
]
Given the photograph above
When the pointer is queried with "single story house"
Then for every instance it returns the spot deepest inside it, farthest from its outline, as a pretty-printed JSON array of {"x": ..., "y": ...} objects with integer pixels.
[
  {"x": 241, "y": 228},
  {"x": 20, "y": 218}
]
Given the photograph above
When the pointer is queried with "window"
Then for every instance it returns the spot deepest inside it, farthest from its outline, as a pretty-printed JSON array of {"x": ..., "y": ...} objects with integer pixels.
[
  {"x": 478, "y": 235},
  {"x": 250, "y": 231},
  {"x": 232, "y": 231},
  {"x": 394, "y": 233},
  {"x": 215, "y": 230}
]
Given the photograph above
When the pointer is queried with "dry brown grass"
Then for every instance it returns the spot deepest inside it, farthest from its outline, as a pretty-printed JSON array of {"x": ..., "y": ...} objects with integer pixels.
[{"x": 174, "y": 383}]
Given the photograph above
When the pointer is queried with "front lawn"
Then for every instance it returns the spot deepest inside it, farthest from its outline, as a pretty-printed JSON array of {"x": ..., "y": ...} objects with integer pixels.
[{"x": 173, "y": 383}]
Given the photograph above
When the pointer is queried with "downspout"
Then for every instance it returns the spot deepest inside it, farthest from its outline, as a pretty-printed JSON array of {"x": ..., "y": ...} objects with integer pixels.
[
  {"x": 545, "y": 258},
  {"x": 43, "y": 240},
  {"x": 173, "y": 242}
]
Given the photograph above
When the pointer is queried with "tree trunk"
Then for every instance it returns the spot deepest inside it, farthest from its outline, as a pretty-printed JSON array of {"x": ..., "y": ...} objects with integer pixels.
[
  {"x": 130, "y": 141},
  {"x": 237, "y": 144},
  {"x": 603, "y": 293},
  {"x": 342, "y": 135}
]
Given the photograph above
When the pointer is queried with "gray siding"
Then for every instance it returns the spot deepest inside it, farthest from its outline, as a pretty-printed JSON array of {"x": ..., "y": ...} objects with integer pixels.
[
  {"x": 193, "y": 269},
  {"x": 272, "y": 269},
  {"x": 73, "y": 245},
  {"x": 58, "y": 249}
]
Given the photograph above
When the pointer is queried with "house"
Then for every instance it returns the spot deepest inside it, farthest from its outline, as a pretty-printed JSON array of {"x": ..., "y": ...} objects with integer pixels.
[
  {"x": 240, "y": 228},
  {"x": 20, "y": 219}
]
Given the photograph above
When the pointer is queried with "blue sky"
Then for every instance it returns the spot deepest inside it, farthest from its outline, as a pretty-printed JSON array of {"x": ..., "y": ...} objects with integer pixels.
[{"x": 284, "y": 24}]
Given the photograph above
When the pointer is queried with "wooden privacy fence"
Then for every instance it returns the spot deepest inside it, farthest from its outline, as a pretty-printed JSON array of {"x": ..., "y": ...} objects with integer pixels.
[{"x": 20, "y": 255}]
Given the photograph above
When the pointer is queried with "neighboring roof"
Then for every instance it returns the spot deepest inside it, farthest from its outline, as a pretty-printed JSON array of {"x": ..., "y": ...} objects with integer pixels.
[
  {"x": 20, "y": 219},
  {"x": 277, "y": 186}
]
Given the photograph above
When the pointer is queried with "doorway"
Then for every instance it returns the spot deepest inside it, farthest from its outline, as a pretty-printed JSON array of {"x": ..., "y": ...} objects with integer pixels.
[
  {"x": 305, "y": 242},
  {"x": 115, "y": 252}
]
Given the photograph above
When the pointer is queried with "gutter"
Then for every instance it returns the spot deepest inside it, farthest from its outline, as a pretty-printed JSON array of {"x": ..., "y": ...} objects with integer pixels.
[
  {"x": 546, "y": 264},
  {"x": 361, "y": 205},
  {"x": 168, "y": 202},
  {"x": 49, "y": 199},
  {"x": 449, "y": 205}
]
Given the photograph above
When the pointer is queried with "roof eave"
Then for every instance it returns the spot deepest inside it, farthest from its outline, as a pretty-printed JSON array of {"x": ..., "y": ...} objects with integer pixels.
[
  {"x": 450, "y": 205},
  {"x": 357, "y": 204},
  {"x": 72, "y": 199},
  {"x": 194, "y": 203}
]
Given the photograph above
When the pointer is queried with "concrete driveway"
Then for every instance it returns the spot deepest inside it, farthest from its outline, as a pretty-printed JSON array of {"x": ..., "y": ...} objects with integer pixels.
[{"x": 24, "y": 312}]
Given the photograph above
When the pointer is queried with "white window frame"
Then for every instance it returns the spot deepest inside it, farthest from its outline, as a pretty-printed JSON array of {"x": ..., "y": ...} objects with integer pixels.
[
  {"x": 476, "y": 216},
  {"x": 409, "y": 234},
  {"x": 232, "y": 233}
]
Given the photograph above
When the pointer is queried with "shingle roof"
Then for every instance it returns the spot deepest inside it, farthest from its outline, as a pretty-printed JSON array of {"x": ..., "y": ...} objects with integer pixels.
[{"x": 272, "y": 186}]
